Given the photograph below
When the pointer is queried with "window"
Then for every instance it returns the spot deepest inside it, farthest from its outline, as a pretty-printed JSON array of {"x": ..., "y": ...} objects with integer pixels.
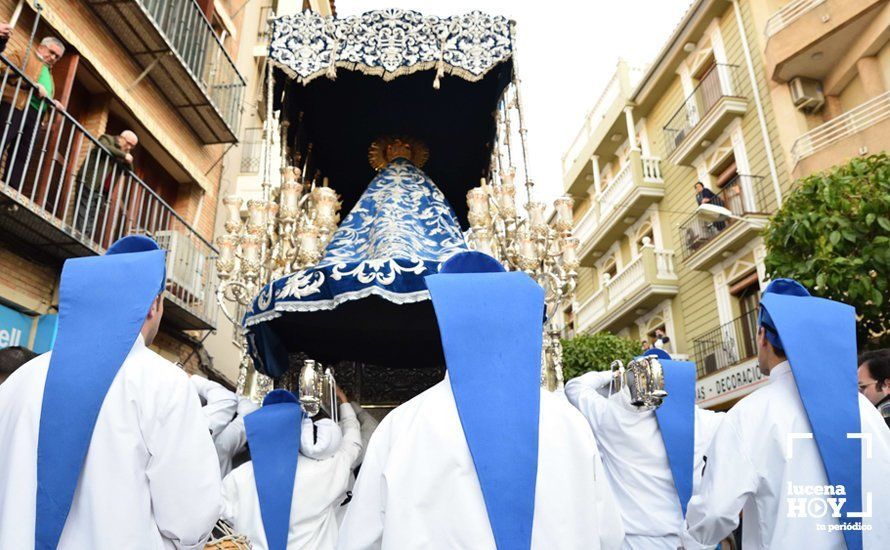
[
  {"x": 251, "y": 150},
  {"x": 746, "y": 293},
  {"x": 645, "y": 232}
]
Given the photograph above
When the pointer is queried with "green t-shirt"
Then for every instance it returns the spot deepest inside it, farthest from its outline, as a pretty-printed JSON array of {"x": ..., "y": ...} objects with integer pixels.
[{"x": 46, "y": 80}]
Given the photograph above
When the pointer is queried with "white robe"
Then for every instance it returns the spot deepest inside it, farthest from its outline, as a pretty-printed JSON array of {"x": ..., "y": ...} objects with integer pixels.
[
  {"x": 220, "y": 403},
  {"x": 318, "y": 489},
  {"x": 232, "y": 438},
  {"x": 636, "y": 462},
  {"x": 150, "y": 479},
  {"x": 748, "y": 470},
  {"x": 418, "y": 488}
]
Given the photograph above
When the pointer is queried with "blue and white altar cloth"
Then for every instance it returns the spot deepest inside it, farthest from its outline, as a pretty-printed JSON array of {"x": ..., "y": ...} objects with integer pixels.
[{"x": 399, "y": 232}]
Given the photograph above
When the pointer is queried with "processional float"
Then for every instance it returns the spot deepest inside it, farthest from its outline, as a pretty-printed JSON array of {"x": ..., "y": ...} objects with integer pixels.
[{"x": 428, "y": 110}]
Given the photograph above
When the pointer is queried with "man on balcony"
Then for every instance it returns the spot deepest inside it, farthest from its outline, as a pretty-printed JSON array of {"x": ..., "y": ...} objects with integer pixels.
[
  {"x": 22, "y": 107},
  {"x": 806, "y": 458},
  {"x": 98, "y": 174}
]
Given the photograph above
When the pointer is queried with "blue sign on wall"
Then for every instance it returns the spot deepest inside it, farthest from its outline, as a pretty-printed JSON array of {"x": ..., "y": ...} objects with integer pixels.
[
  {"x": 47, "y": 326},
  {"x": 15, "y": 328}
]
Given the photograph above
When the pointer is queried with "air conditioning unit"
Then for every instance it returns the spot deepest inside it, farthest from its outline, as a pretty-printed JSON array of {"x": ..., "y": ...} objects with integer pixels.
[
  {"x": 806, "y": 94},
  {"x": 185, "y": 266}
]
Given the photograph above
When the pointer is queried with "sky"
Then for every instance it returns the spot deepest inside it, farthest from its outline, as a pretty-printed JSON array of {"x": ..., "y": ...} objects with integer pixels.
[{"x": 567, "y": 52}]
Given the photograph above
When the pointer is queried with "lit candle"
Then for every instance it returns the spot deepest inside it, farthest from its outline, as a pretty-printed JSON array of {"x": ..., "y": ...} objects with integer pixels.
[
  {"x": 256, "y": 214},
  {"x": 290, "y": 198},
  {"x": 308, "y": 238},
  {"x": 225, "y": 263},
  {"x": 525, "y": 244},
  {"x": 536, "y": 216},
  {"x": 563, "y": 206},
  {"x": 570, "y": 253},
  {"x": 250, "y": 250},
  {"x": 233, "y": 211},
  {"x": 326, "y": 205},
  {"x": 506, "y": 198},
  {"x": 477, "y": 202}
]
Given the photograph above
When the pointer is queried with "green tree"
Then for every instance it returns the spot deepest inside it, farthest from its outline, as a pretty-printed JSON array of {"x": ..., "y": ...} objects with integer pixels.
[
  {"x": 587, "y": 352},
  {"x": 833, "y": 235}
]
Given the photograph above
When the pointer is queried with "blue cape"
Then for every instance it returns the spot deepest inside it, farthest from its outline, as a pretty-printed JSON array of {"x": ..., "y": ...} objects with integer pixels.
[
  {"x": 490, "y": 323},
  {"x": 819, "y": 339},
  {"x": 273, "y": 434},
  {"x": 103, "y": 301},
  {"x": 676, "y": 422}
]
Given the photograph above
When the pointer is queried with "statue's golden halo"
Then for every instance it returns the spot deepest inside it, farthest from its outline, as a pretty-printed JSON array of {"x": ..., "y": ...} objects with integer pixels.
[{"x": 386, "y": 148}]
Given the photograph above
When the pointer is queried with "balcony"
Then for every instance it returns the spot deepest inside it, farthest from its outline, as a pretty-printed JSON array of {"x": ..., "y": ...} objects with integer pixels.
[
  {"x": 704, "y": 115},
  {"x": 863, "y": 129},
  {"x": 641, "y": 285},
  {"x": 801, "y": 28},
  {"x": 175, "y": 45},
  {"x": 603, "y": 120},
  {"x": 726, "y": 361},
  {"x": 624, "y": 198},
  {"x": 705, "y": 243},
  {"x": 63, "y": 195}
]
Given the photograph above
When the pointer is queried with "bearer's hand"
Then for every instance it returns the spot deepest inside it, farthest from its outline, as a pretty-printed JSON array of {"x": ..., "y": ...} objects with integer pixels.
[
  {"x": 342, "y": 396},
  {"x": 41, "y": 91},
  {"x": 5, "y": 30}
]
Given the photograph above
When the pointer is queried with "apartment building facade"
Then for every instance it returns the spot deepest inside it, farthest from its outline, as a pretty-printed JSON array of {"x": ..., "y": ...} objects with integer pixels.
[
  {"x": 162, "y": 69},
  {"x": 702, "y": 112}
]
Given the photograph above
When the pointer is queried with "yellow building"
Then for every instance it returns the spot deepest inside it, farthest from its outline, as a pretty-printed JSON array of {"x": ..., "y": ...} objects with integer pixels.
[
  {"x": 163, "y": 69},
  {"x": 745, "y": 97}
]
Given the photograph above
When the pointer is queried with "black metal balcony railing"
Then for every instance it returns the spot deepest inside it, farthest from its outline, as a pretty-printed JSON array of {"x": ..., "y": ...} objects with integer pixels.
[
  {"x": 74, "y": 198},
  {"x": 192, "y": 37},
  {"x": 741, "y": 195},
  {"x": 727, "y": 345},
  {"x": 718, "y": 82}
]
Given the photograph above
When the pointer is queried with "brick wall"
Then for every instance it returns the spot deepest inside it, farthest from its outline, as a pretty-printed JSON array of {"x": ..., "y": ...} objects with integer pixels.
[{"x": 26, "y": 284}]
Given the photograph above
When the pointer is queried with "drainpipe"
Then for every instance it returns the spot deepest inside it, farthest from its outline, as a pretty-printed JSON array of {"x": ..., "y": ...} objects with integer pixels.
[{"x": 774, "y": 173}]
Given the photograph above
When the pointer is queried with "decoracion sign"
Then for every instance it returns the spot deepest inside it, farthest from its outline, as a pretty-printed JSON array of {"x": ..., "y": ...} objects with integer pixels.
[
  {"x": 15, "y": 328},
  {"x": 730, "y": 383}
]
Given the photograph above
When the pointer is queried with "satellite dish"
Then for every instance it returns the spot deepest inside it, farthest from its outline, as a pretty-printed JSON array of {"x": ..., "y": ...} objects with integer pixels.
[{"x": 713, "y": 213}]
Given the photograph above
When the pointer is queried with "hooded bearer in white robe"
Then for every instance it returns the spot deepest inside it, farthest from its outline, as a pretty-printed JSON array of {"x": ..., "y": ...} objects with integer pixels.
[
  {"x": 104, "y": 445},
  {"x": 288, "y": 495},
  {"x": 805, "y": 457},
  {"x": 643, "y": 449},
  {"x": 484, "y": 459}
]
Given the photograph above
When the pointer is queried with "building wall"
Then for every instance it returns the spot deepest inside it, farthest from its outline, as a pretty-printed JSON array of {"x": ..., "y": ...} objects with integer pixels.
[{"x": 106, "y": 90}]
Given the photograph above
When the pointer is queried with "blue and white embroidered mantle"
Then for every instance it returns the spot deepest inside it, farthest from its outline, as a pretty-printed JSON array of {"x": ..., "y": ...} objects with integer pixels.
[{"x": 399, "y": 232}]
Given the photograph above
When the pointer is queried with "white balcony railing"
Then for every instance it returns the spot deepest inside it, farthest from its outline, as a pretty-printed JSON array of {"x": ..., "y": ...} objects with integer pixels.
[
  {"x": 664, "y": 264},
  {"x": 591, "y": 120},
  {"x": 652, "y": 169},
  {"x": 631, "y": 279},
  {"x": 615, "y": 190},
  {"x": 626, "y": 280},
  {"x": 856, "y": 120},
  {"x": 595, "y": 116},
  {"x": 789, "y": 13},
  {"x": 587, "y": 224}
]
